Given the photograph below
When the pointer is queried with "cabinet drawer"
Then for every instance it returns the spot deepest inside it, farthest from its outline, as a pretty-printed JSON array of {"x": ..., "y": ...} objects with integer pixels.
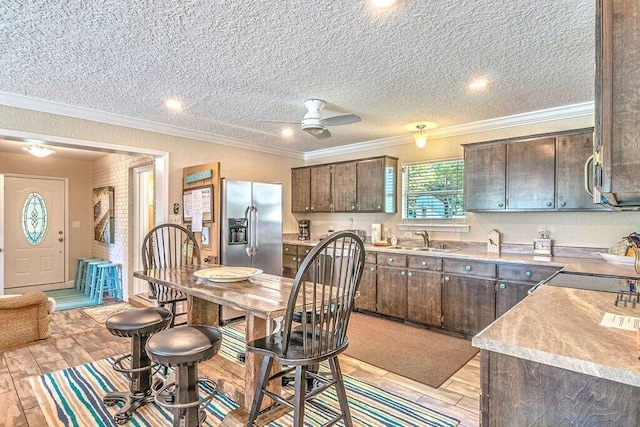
[
  {"x": 424, "y": 263},
  {"x": 290, "y": 261},
  {"x": 303, "y": 251},
  {"x": 471, "y": 268},
  {"x": 525, "y": 273},
  {"x": 392, "y": 260},
  {"x": 289, "y": 249},
  {"x": 370, "y": 257}
]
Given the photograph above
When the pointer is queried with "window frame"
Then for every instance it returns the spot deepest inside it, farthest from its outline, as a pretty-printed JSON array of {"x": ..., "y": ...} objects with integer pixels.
[{"x": 404, "y": 194}]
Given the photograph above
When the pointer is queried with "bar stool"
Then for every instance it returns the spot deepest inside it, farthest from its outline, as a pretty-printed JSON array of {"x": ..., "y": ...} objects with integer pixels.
[
  {"x": 109, "y": 279},
  {"x": 184, "y": 348},
  {"x": 139, "y": 325},
  {"x": 91, "y": 277},
  {"x": 81, "y": 270}
]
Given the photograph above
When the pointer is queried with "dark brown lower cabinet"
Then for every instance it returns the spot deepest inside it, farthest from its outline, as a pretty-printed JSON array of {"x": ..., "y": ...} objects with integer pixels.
[
  {"x": 392, "y": 291},
  {"x": 367, "y": 289},
  {"x": 509, "y": 294},
  {"x": 468, "y": 303},
  {"x": 518, "y": 392},
  {"x": 424, "y": 296}
]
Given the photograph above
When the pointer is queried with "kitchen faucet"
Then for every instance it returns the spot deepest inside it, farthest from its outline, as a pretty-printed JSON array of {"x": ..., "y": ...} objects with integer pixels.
[{"x": 425, "y": 237}]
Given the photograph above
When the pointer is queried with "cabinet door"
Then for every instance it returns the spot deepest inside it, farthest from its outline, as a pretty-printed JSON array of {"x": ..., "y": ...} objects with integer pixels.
[
  {"x": 370, "y": 185},
  {"x": 485, "y": 177},
  {"x": 572, "y": 152},
  {"x": 301, "y": 190},
  {"x": 344, "y": 187},
  {"x": 367, "y": 289},
  {"x": 321, "y": 188},
  {"x": 424, "y": 296},
  {"x": 469, "y": 303},
  {"x": 289, "y": 260},
  {"x": 392, "y": 292},
  {"x": 531, "y": 174},
  {"x": 509, "y": 294}
]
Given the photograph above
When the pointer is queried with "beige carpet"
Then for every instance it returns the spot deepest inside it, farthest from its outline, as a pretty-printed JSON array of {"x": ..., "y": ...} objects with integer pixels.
[
  {"x": 101, "y": 312},
  {"x": 420, "y": 354}
]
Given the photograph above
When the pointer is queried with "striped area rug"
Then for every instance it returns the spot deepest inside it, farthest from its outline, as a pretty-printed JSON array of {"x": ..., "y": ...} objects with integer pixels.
[
  {"x": 66, "y": 299},
  {"x": 73, "y": 397}
]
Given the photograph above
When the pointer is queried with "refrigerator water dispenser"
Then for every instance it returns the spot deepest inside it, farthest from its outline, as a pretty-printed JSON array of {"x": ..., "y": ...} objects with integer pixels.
[{"x": 238, "y": 231}]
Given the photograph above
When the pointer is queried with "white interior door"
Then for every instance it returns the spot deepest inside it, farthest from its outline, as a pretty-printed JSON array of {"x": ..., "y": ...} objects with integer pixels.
[
  {"x": 143, "y": 202},
  {"x": 34, "y": 232}
]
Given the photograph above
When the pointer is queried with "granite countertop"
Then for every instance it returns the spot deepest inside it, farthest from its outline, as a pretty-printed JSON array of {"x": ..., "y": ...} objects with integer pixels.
[
  {"x": 568, "y": 263},
  {"x": 561, "y": 327}
]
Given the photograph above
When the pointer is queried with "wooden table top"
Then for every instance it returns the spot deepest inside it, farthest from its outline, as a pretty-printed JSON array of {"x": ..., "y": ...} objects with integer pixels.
[{"x": 265, "y": 295}]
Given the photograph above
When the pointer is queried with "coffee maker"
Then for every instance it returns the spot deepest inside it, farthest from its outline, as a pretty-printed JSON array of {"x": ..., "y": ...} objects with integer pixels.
[{"x": 304, "y": 229}]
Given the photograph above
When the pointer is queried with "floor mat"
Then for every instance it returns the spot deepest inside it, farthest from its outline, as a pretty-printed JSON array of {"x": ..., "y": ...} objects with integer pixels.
[
  {"x": 102, "y": 312},
  {"x": 66, "y": 299}
]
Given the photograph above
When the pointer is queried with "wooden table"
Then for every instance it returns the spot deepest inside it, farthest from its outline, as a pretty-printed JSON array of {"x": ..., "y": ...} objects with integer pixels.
[{"x": 263, "y": 297}]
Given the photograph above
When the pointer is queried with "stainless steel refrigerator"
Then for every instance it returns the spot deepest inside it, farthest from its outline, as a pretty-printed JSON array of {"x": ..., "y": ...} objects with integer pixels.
[{"x": 251, "y": 234}]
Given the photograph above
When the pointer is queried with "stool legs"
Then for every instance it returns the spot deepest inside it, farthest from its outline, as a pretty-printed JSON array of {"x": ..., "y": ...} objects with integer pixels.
[{"x": 141, "y": 389}]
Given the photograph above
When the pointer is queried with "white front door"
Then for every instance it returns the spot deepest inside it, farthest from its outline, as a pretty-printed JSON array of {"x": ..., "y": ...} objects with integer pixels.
[{"x": 34, "y": 227}]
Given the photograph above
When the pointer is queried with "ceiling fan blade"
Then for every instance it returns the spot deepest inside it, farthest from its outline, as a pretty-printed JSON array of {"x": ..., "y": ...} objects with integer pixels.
[
  {"x": 322, "y": 135},
  {"x": 276, "y": 121},
  {"x": 343, "y": 119}
]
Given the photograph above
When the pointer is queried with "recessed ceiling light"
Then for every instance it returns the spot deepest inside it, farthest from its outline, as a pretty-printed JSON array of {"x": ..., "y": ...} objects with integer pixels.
[
  {"x": 479, "y": 84},
  {"x": 383, "y": 3},
  {"x": 173, "y": 104},
  {"x": 39, "y": 150},
  {"x": 287, "y": 132}
]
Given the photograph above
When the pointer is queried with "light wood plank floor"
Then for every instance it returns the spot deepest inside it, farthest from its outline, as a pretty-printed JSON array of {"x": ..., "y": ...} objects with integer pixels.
[{"x": 78, "y": 339}]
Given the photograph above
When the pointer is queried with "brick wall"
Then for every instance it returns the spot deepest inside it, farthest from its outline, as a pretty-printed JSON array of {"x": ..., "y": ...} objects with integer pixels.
[{"x": 115, "y": 171}]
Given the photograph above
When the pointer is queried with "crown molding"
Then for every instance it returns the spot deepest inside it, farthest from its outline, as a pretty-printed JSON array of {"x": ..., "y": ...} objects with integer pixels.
[
  {"x": 20, "y": 101},
  {"x": 524, "y": 119}
]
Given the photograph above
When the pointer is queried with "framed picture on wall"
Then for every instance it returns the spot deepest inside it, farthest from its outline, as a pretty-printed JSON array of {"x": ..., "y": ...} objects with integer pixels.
[{"x": 103, "y": 215}]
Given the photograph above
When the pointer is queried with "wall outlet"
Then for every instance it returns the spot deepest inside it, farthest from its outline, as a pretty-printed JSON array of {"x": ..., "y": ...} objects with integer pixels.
[
  {"x": 331, "y": 229},
  {"x": 175, "y": 219}
]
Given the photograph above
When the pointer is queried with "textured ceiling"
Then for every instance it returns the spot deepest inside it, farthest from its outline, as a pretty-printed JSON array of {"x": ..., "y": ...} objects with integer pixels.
[{"x": 234, "y": 63}]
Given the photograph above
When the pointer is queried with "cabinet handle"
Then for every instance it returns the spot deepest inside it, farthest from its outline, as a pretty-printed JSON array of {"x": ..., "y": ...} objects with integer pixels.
[
  {"x": 528, "y": 274},
  {"x": 467, "y": 268},
  {"x": 286, "y": 249},
  {"x": 311, "y": 207},
  {"x": 502, "y": 286},
  {"x": 424, "y": 263},
  {"x": 372, "y": 269},
  {"x": 306, "y": 208},
  {"x": 410, "y": 274},
  {"x": 500, "y": 205},
  {"x": 353, "y": 207},
  {"x": 390, "y": 260},
  {"x": 446, "y": 278},
  {"x": 294, "y": 259},
  {"x": 379, "y": 207},
  {"x": 549, "y": 203},
  {"x": 563, "y": 203},
  {"x": 403, "y": 273}
]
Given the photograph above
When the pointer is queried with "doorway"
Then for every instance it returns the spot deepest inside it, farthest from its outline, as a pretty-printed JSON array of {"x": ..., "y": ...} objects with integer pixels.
[
  {"x": 35, "y": 245},
  {"x": 143, "y": 217}
]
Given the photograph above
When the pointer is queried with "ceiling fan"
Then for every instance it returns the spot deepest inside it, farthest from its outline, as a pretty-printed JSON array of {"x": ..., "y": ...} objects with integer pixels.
[{"x": 316, "y": 126}]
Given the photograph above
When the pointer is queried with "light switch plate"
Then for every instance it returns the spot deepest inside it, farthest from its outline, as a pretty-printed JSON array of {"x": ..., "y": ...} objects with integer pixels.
[
  {"x": 75, "y": 224},
  {"x": 175, "y": 219}
]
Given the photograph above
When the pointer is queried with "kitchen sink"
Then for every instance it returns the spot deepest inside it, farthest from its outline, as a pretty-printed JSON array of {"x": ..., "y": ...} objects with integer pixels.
[
  {"x": 407, "y": 248},
  {"x": 439, "y": 250}
]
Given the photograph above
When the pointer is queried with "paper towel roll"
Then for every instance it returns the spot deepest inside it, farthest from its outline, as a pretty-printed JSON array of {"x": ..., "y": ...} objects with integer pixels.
[{"x": 376, "y": 232}]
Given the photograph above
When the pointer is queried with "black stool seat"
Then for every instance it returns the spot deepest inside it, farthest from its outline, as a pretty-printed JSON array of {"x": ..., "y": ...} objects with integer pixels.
[
  {"x": 138, "y": 322},
  {"x": 184, "y": 348},
  {"x": 139, "y": 325}
]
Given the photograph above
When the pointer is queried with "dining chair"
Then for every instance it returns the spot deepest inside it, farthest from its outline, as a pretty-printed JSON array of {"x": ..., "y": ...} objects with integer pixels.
[
  {"x": 324, "y": 288},
  {"x": 169, "y": 246}
]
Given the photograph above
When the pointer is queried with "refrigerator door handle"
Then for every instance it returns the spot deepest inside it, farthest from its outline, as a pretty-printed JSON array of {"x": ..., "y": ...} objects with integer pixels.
[
  {"x": 255, "y": 230},
  {"x": 252, "y": 224}
]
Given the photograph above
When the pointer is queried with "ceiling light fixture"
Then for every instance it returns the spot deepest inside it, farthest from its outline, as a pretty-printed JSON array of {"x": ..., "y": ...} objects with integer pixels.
[
  {"x": 39, "y": 150},
  {"x": 173, "y": 104},
  {"x": 287, "y": 132},
  {"x": 479, "y": 84},
  {"x": 383, "y": 3},
  {"x": 420, "y": 136}
]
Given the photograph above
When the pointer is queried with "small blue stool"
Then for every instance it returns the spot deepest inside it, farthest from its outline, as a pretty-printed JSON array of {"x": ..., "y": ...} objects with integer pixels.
[
  {"x": 109, "y": 279},
  {"x": 79, "y": 280},
  {"x": 91, "y": 277}
]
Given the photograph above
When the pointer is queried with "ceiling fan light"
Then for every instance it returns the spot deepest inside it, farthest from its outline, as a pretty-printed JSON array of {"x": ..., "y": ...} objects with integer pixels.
[
  {"x": 39, "y": 150},
  {"x": 420, "y": 137}
]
